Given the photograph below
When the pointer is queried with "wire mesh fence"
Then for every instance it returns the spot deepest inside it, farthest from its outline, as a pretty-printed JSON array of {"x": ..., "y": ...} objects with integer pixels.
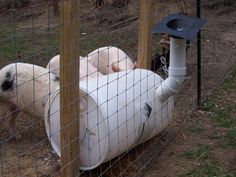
[{"x": 120, "y": 119}]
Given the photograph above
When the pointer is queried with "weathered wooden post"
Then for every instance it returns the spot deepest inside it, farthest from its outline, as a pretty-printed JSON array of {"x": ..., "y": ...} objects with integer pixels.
[
  {"x": 69, "y": 87},
  {"x": 146, "y": 16}
]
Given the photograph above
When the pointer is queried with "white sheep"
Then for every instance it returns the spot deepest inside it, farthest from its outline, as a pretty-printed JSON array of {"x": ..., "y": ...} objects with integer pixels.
[
  {"x": 8, "y": 115},
  {"x": 27, "y": 86},
  {"x": 110, "y": 59},
  {"x": 87, "y": 70}
]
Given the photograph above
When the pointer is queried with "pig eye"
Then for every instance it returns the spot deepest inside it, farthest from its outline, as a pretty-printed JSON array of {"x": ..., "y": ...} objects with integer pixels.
[{"x": 8, "y": 75}]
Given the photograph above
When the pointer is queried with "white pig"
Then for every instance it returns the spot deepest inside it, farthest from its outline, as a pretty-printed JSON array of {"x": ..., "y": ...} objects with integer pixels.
[
  {"x": 8, "y": 115},
  {"x": 110, "y": 59},
  {"x": 27, "y": 86},
  {"x": 87, "y": 70}
]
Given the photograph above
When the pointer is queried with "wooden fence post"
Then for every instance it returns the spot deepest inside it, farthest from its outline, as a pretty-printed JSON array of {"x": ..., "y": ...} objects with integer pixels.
[
  {"x": 146, "y": 16},
  {"x": 69, "y": 87}
]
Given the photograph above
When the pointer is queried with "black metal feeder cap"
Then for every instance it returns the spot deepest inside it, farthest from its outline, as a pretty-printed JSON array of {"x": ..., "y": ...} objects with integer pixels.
[{"x": 180, "y": 26}]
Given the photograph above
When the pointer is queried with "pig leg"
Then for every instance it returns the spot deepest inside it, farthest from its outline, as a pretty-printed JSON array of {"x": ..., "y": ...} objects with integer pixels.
[{"x": 12, "y": 115}]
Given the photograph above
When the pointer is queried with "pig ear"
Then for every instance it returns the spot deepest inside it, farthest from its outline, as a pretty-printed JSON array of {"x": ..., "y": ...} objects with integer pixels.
[
  {"x": 135, "y": 65},
  {"x": 115, "y": 68}
]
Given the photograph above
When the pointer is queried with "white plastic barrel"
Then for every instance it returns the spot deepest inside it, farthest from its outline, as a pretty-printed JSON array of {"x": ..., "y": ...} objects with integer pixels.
[{"x": 118, "y": 112}]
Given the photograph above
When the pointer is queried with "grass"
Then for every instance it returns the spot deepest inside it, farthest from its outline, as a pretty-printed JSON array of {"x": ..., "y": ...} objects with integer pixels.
[
  {"x": 203, "y": 151},
  {"x": 88, "y": 44},
  {"x": 230, "y": 139},
  {"x": 224, "y": 119},
  {"x": 26, "y": 46},
  {"x": 6, "y": 42},
  {"x": 220, "y": 111},
  {"x": 205, "y": 170},
  {"x": 214, "y": 135},
  {"x": 195, "y": 130},
  {"x": 33, "y": 45},
  {"x": 38, "y": 47}
]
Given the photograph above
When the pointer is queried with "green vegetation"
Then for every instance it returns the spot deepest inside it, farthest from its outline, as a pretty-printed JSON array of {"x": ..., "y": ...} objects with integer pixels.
[
  {"x": 26, "y": 45},
  {"x": 220, "y": 111},
  {"x": 38, "y": 46},
  {"x": 205, "y": 170},
  {"x": 195, "y": 130},
  {"x": 203, "y": 151},
  {"x": 88, "y": 44},
  {"x": 230, "y": 139}
]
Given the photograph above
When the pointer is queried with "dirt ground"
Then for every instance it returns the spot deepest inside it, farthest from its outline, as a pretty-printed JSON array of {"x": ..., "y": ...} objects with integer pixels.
[{"x": 195, "y": 144}]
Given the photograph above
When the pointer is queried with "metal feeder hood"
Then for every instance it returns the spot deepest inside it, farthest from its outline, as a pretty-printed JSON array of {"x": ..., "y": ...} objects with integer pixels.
[{"x": 179, "y": 26}]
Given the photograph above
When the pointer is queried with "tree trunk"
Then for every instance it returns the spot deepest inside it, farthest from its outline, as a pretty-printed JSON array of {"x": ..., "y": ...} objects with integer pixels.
[
  {"x": 99, "y": 3},
  {"x": 16, "y": 3},
  {"x": 120, "y": 3},
  {"x": 56, "y": 7}
]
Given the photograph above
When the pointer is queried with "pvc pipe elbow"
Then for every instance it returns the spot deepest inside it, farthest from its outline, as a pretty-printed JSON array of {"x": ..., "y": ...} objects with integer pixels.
[
  {"x": 171, "y": 85},
  {"x": 177, "y": 70}
]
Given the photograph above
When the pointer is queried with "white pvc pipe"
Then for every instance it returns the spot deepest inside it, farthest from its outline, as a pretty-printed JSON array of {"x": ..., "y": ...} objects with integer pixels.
[{"x": 177, "y": 69}]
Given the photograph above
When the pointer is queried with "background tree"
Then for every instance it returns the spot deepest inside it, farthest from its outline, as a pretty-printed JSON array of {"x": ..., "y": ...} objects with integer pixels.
[
  {"x": 15, "y": 3},
  {"x": 115, "y": 3}
]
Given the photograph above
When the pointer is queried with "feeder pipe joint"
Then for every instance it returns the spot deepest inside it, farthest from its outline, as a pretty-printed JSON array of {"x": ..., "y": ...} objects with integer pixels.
[{"x": 177, "y": 69}]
